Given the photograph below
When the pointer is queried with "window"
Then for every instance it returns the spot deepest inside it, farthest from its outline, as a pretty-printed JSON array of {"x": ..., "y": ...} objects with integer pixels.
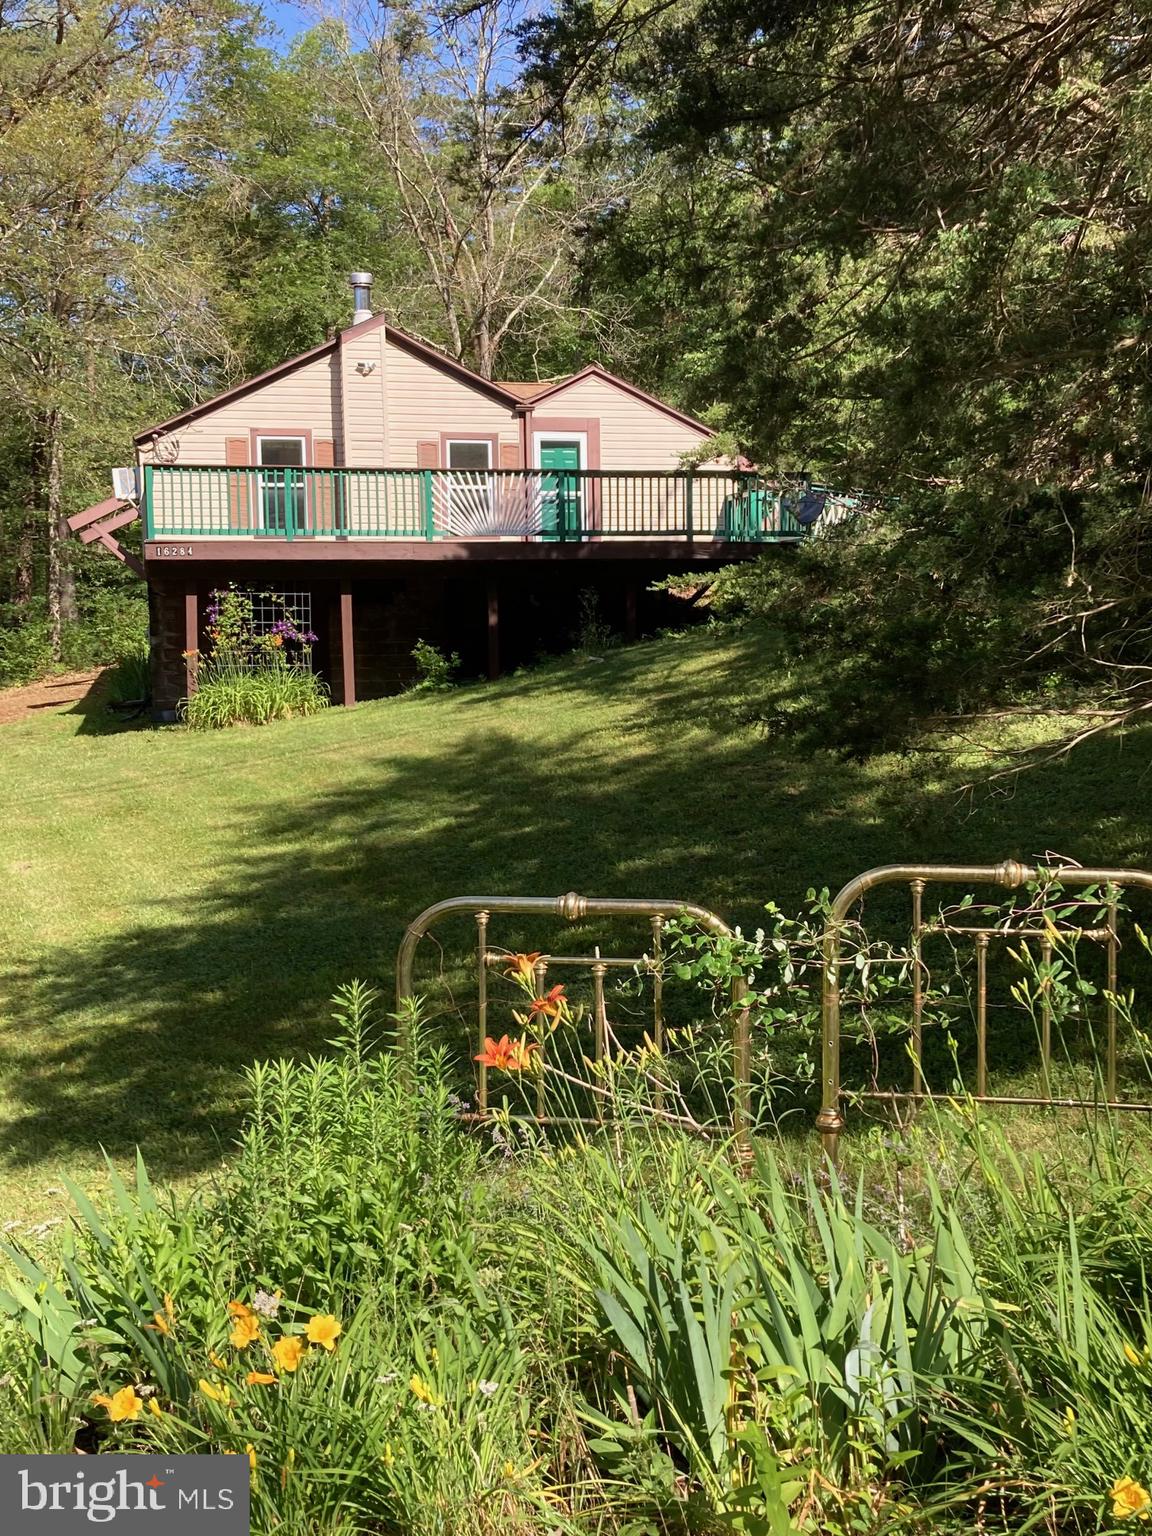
[
  {"x": 281, "y": 451},
  {"x": 282, "y": 499},
  {"x": 470, "y": 487},
  {"x": 463, "y": 454}
]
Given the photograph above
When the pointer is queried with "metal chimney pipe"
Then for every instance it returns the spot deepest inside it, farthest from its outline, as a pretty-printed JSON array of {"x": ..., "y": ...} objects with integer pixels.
[{"x": 361, "y": 296}]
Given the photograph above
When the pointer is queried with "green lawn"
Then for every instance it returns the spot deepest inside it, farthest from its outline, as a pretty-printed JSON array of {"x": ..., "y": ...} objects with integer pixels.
[{"x": 176, "y": 905}]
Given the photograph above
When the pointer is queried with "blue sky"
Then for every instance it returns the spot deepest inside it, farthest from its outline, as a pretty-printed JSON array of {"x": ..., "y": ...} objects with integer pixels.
[{"x": 288, "y": 19}]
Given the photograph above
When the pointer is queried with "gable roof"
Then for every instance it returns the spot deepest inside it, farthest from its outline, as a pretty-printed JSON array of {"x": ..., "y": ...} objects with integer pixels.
[
  {"x": 411, "y": 344},
  {"x": 235, "y": 393},
  {"x": 594, "y": 371},
  {"x": 517, "y": 396}
]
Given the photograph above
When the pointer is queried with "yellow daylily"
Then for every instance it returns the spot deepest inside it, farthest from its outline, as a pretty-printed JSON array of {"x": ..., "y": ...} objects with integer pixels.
[
  {"x": 424, "y": 1393},
  {"x": 388, "y": 1455},
  {"x": 1130, "y": 1498},
  {"x": 121, "y": 1405},
  {"x": 287, "y": 1351},
  {"x": 215, "y": 1394},
  {"x": 155, "y": 1409},
  {"x": 514, "y": 1474},
  {"x": 323, "y": 1331},
  {"x": 1133, "y": 1356},
  {"x": 260, "y": 1379}
]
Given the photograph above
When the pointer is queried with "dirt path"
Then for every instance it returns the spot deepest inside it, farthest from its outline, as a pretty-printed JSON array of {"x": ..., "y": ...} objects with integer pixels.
[{"x": 53, "y": 693}]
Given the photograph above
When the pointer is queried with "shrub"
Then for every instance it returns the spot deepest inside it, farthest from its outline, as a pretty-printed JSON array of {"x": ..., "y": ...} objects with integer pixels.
[
  {"x": 113, "y": 624},
  {"x": 25, "y": 647},
  {"x": 352, "y": 1168},
  {"x": 130, "y": 678},
  {"x": 253, "y": 675},
  {"x": 435, "y": 671}
]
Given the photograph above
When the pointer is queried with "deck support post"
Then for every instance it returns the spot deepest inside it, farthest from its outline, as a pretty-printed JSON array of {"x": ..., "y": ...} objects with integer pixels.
[
  {"x": 631, "y": 626},
  {"x": 191, "y": 640},
  {"x": 347, "y": 645},
  {"x": 493, "y": 628}
]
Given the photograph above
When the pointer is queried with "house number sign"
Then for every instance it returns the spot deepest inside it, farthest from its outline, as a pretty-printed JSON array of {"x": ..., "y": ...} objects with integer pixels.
[{"x": 173, "y": 551}]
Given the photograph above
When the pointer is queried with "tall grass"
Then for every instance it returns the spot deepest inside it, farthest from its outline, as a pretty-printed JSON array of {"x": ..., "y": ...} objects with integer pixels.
[
  {"x": 543, "y": 1331},
  {"x": 235, "y": 692}
]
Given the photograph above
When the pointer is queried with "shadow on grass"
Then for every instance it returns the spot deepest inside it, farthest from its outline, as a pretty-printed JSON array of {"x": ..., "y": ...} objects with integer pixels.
[{"x": 311, "y": 895}]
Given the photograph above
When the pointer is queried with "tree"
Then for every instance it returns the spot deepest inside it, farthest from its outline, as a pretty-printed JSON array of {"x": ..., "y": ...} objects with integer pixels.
[
  {"x": 919, "y": 243},
  {"x": 93, "y": 318},
  {"x": 493, "y": 177},
  {"x": 271, "y": 173}
]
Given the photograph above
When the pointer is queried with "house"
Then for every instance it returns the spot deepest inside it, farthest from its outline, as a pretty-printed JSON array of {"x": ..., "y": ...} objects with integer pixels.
[{"x": 391, "y": 494}]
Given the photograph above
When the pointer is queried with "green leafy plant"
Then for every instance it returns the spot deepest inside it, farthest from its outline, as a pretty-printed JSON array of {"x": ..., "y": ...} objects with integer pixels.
[
  {"x": 594, "y": 635},
  {"x": 762, "y": 1326},
  {"x": 435, "y": 670},
  {"x": 352, "y": 1168}
]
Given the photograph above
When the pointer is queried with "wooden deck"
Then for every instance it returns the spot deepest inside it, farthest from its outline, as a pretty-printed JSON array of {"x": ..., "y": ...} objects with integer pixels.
[{"x": 285, "y": 506}]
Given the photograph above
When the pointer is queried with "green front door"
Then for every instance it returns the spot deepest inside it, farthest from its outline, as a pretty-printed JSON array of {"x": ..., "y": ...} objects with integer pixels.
[{"x": 560, "y": 511}]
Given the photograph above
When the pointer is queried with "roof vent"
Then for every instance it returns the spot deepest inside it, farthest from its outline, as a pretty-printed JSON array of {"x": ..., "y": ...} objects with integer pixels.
[{"x": 361, "y": 295}]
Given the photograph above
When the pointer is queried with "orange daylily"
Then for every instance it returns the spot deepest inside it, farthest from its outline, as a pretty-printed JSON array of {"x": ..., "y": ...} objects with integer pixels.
[
  {"x": 323, "y": 1331},
  {"x": 551, "y": 1005},
  {"x": 287, "y": 1352},
  {"x": 506, "y": 1055},
  {"x": 260, "y": 1379},
  {"x": 121, "y": 1405},
  {"x": 523, "y": 965}
]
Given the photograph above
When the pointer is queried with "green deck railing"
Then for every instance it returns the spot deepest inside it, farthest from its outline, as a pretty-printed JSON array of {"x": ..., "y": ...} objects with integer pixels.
[{"x": 546, "y": 505}]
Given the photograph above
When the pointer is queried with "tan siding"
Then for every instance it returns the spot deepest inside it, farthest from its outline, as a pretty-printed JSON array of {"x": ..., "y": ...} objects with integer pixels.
[
  {"x": 365, "y": 400},
  {"x": 633, "y": 435},
  {"x": 423, "y": 402},
  {"x": 636, "y": 436},
  {"x": 305, "y": 397}
]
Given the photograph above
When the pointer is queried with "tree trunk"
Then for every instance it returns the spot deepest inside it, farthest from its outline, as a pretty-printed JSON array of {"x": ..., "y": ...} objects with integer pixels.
[
  {"x": 61, "y": 577},
  {"x": 485, "y": 360},
  {"x": 24, "y": 575}
]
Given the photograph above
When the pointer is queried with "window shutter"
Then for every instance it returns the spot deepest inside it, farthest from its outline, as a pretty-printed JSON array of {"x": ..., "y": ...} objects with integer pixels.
[
  {"x": 236, "y": 452},
  {"x": 428, "y": 455},
  {"x": 509, "y": 455},
  {"x": 324, "y": 488}
]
